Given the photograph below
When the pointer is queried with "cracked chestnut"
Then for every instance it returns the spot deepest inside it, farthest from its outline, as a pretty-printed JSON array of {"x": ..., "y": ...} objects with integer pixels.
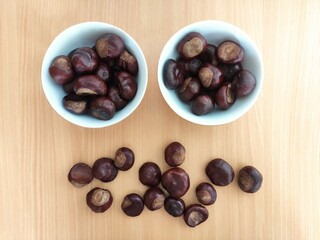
[{"x": 99, "y": 200}]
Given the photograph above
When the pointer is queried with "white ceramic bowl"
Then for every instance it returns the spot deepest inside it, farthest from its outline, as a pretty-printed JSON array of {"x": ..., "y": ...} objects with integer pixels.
[
  {"x": 85, "y": 35},
  {"x": 214, "y": 32}
]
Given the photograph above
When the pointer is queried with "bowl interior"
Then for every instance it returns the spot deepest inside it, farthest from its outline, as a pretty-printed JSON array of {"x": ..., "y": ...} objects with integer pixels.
[
  {"x": 215, "y": 32},
  {"x": 85, "y": 35}
]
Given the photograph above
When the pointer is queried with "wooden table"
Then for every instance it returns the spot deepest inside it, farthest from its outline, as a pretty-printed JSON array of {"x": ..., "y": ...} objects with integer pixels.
[{"x": 279, "y": 135}]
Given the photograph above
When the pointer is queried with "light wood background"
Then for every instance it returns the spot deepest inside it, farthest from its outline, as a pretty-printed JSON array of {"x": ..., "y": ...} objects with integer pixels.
[{"x": 279, "y": 135}]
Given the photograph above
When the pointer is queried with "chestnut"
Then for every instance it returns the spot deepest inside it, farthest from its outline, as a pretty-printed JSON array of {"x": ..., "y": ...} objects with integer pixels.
[
  {"x": 126, "y": 84},
  {"x": 115, "y": 97},
  {"x": 128, "y": 63},
  {"x": 250, "y": 179},
  {"x": 174, "y": 206},
  {"x": 230, "y": 52},
  {"x": 190, "y": 66},
  {"x": 103, "y": 71},
  {"x": 99, "y": 200},
  {"x": 75, "y": 104},
  {"x": 195, "y": 214},
  {"x": 229, "y": 70},
  {"x": 210, "y": 76},
  {"x": 209, "y": 55},
  {"x": 90, "y": 85},
  {"x": 225, "y": 96},
  {"x": 80, "y": 175},
  {"x": 220, "y": 172},
  {"x": 61, "y": 70},
  {"x": 132, "y": 205},
  {"x": 69, "y": 87},
  {"x": 109, "y": 46},
  {"x": 150, "y": 174},
  {"x": 173, "y": 74},
  {"x": 84, "y": 60},
  {"x": 102, "y": 108},
  {"x": 176, "y": 181},
  {"x": 244, "y": 83},
  {"x": 206, "y": 194},
  {"x": 189, "y": 89},
  {"x": 104, "y": 170},
  {"x": 154, "y": 198},
  {"x": 191, "y": 45},
  {"x": 202, "y": 105},
  {"x": 124, "y": 159},
  {"x": 175, "y": 154}
]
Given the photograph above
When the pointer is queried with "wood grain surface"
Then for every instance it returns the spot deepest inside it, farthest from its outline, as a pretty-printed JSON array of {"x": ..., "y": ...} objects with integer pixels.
[{"x": 279, "y": 135}]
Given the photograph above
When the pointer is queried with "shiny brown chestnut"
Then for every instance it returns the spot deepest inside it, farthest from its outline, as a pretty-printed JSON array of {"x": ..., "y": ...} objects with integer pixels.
[
  {"x": 229, "y": 70},
  {"x": 219, "y": 172},
  {"x": 230, "y": 52},
  {"x": 209, "y": 55},
  {"x": 176, "y": 182},
  {"x": 244, "y": 82},
  {"x": 126, "y": 84},
  {"x": 61, "y": 70},
  {"x": 206, "y": 194},
  {"x": 104, "y": 170},
  {"x": 109, "y": 46},
  {"x": 173, "y": 74},
  {"x": 84, "y": 60},
  {"x": 189, "y": 89},
  {"x": 225, "y": 96},
  {"x": 99, "y": 200},
  {"x": 115, "y": 97},
  {"x": 132, "y": 205},
  {"x": 210, "y": 76},
  {"x": 75, "y": 104},
  {"x": 195, "y": 214},
  {"x": 80, "y": 175},
  {"x": 128, "y": 63},
  {"x": 174, "y": 206},
  {"x": 174, "y": 154},
  {"x": 103, "y": 71},
  {"x": 154, "y": 198},
  {"x": 102, "y": 108},
  {"x": 250, "y": 179},
  {"x": 191, "y": 45},
  {"x": 124, "y": 158},
  {"x": 202, "y": 105},
  {"x": 89, "y": 85},
  {"x": 150, "y": 174}
]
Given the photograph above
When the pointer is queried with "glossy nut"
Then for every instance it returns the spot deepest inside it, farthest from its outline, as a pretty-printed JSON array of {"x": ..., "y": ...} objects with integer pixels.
[
  {"x": 244, "y": 82},
  {"x": 189, "y": 89},
  {"x": 195, "y": 214},
  {"x": 225, "y": 96},
  {"x": 206, "y": 194},
  {"x": 150, "y": 174},
  {"x": 202, "y": 105},
  {"x": 115, "y": 97},
  {"x": 103, "y": 71},
  {"x": 80, "y": 175},
  {"x": 124, "y": 159},
  {"x": 102, "y": 108},
  {"x": 99, "y": 200},
  {"x": 109, "y": 46},
  {"x": 230, "y": 52},
  {"x": 191, "y": 66},
  {"x": 176, "y": 181},
  {"x": 61, "y": 70},
  {"x": 230, "y": 70},
  {"x": 250, "y": 179},
  {"x": 126, "y": 84},
  {"x": 210, "y": 76},
  {"x": 173, "y": 74},
  {"x": 104, "y": 170},
  {"x": 75, "y": 104},
  {"x": 192, "y": 45},
  {"x": 154, "y": 198},
  {"x": 209, "y": 55},
  {"x": 84, "y": 60},
  {"x": 90, "y": 85},
  {"x": 220, "y": 172},
  {"x": 175, "y": 154},
  {"x": 132, "y": 205},
  {"x": 174, "y": 206},
  {"x": 128, "y": 63}
]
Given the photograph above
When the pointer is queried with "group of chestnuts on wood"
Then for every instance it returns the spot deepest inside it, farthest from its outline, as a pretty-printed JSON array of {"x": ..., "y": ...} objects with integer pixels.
[
  {"x": 98, "y": 80},
  {"x": 205, "y": 75},
  {"x": 164, "y": 189}
]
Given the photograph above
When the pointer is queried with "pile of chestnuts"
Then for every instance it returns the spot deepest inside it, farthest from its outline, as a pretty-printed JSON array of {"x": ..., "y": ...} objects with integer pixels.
[
  {"x": 205, "y": 75},
  {"x": 98, "y": 80}
]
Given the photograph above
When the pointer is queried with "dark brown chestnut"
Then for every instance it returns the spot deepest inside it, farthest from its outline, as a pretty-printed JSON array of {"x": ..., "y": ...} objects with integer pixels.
[
  {"x": 84, "y": 60},
  {"x": 244, "y": 82},
  {"x": 210, "y": 76},
  {"x": 173, "y": 74},
  {"x": 128, "y": 63},
  {"x": 61, "y": 70},
  {"x": 109, "y": 46},
  {"x": 75, "y": 104},
  {"x": 150, "y": 174},
  {"x": 103, "y": 71},
  {"x": 206, "y": 194},
  {"x": 124, "y": 158},
  {"x": 104, "y": 170},
  {"x": 80, "y": 175},
  {"x": 229, "y": 70},
  {"x": 176, "y": 181},
  {"x": 225, "y": 96},
  {"x": 202, "y": 105},
  {"x": 195, "y": 214},
  {"x": 250, "y": 179},
  {"x": 126, "y": 84},
  {"x": 174, "y": 206},
  {"x": 190, "y": 88},
  {"x": 230, "y": 52},
  {"x": 99, "y": 200},
  {"x": 115, "y": 97},
  {"x": 209, "y": 55},
  {"x": 220, "y": 172},
  {"x": 132, "y": 205},
  {"x": 191, "y": 45},
  {"x": 102, "y": 108},
  {"x": 90, "y": 85},
  {"x": 174, "y": 154},
  {"x": 190, "y": 66},
  {"x": 154, "y": 198}
]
